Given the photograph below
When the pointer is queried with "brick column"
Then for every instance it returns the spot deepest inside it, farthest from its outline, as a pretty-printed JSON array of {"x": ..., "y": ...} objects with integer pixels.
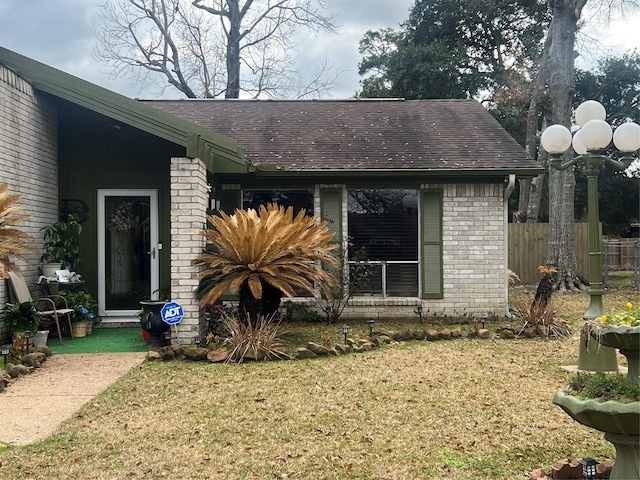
[{"x": 188, "y": 218}]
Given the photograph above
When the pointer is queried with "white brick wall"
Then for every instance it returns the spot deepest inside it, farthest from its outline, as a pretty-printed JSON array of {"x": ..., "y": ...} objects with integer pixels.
[
  {"x": 188, "y": 218},
  {"x": 28, "y": 160}
]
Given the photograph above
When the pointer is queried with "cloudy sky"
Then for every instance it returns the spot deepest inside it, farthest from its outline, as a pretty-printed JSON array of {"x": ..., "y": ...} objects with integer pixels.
[{"x": 61, "y": 33}]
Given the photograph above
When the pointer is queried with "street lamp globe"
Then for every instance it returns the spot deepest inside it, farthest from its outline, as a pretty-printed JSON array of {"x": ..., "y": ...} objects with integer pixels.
[
  {"x": 626, "y": 138},
  {"x": 556, "y": 139},
  {"x": 590, "y": 110},
  {"x": 577, "y": 144},
  {"x": 596, "y": 134}
]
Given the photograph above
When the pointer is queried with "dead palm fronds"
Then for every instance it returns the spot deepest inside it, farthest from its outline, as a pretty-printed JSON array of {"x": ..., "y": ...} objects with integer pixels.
[
  {"x": 265, "y": 251},
  {"x": 253, "y": 340},
  {"x": 14, "y": 244}
]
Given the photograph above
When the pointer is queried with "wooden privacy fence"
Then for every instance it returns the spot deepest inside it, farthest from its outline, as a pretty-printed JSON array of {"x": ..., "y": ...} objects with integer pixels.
[{"x": 528, "y": 247}]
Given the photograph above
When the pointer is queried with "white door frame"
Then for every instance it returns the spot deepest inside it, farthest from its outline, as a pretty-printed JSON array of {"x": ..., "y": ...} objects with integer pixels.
[{"x": 153, "y": 232}]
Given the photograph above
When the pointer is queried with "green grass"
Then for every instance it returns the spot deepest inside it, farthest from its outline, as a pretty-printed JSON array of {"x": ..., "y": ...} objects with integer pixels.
[{"x": 102, "y": 340}]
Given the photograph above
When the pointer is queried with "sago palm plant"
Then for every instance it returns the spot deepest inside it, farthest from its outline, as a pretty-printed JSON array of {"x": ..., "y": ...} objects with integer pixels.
[
  {"x": 264, "y": 255},
  {"x": 14, "y": 244}
]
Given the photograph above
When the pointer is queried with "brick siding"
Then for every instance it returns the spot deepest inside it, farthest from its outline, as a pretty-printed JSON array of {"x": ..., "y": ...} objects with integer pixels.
[{"x": 28, "y": 161}]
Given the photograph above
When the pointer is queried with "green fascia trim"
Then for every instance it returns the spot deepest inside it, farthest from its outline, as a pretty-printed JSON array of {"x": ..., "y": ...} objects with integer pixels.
[{"x": 219, "y": 153}]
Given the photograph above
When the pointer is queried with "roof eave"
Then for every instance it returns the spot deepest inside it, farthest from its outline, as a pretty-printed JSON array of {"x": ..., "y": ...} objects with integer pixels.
[{"x": 220, "y": 152}]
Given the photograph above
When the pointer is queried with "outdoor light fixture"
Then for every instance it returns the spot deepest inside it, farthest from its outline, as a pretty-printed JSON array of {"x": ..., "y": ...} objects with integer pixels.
[
  {"x": 589, "y": 468},
  {"x": 4, "y": 350},
  {"x": 27, "y": 336},
  {"x": 328, "y": 310},
  {"x": 370, "y": 324},
  {"x": 588, "y": 142},
  {"x": 167, "y": 337},
  {"x": 196, "y": 340},
  {"x": 418, "y": 311},
  {"x": 345, "y": 330},
  {"x": 483, "y": 320}
]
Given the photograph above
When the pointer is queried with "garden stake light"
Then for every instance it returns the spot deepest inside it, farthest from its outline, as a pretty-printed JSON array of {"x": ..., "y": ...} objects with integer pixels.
[
  {"x": 345, "y": 330},
  {"x": 27, "y": 335},
  {"x": 588, "y": 143},
  {"x": 196, "y": 340},
  {"x": 5, "y": 352},
  {"x": 370, "y": 323},
  {"x": 418, "y": 311},
  {"x": 483, "y": 320},
  {"x": 588, "y": 468}
]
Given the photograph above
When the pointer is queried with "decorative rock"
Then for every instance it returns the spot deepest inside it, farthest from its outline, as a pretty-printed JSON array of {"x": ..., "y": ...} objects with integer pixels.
[
  {"x": 217, "y": 355},
  {"x": 456, "y": 332},
  {"x": 538, "y": 474},
  {"x": 432, "y": 335},
  {"x": 167, "y": 354},
  {"x": 34, "y": 359},
  {"x": 366, "y": 345},
  {"x": 197, "y": 354},
  {"x": 16, "y": 371},
  {"x": 342, "y": 349},
  {"x": 384, "y": 338},
  {"x": 529, "y": 332},
  {"x": 484, "y": 333},
  {"x": 153, "y": 355},
  {"x": 507, "y": 333},
  {"x": 318, "y": 349},
  {"x": 44, "y": 349},
  {"x": 304, "y": 353},
  {"x": 445, "y": 334},
  {"x": 374, "y": 340},
  {"x": 564, "y": 469},
  {"x": 603, "y": 470},
  {"x": 472, "y": 333},
  {"x": 177, "y": 348}
]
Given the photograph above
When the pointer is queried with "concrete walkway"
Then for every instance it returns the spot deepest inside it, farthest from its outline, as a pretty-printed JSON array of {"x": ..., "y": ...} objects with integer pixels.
[{"x": 34, "y": 406}]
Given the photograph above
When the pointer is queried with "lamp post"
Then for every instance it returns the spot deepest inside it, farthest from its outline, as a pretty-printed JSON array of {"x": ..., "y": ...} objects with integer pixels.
[
  {"x": 370, "y": 323},
  {"x": 588, "y": 143},
  {"x": 27, "y": 336},
  {"x": 418, "y": 311}
]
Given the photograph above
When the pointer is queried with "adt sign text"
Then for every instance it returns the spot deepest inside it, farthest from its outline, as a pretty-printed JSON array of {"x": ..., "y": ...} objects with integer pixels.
[{"x": 172, "y": 313}]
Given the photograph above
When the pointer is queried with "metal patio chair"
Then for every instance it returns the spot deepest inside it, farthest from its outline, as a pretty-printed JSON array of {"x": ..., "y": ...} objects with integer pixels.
[{"x": 20, "y": 293}]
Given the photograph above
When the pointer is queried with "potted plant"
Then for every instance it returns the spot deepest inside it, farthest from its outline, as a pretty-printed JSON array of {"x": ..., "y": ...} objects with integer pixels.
[
  {"x": 61, "y": 245},
  {"x": 85, "y": 311},
  {"x": 20, "y": 318}
]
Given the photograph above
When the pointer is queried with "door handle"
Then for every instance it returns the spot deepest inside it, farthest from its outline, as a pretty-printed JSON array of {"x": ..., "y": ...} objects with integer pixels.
[{"x": 152, "y": 253}]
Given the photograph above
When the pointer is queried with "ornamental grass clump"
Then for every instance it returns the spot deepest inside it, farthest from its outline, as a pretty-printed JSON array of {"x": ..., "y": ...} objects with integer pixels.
[
  {"x": 14, "y": 244},
  {"x": 263, "y": 255},
  {"x": 257, "y": 340}
]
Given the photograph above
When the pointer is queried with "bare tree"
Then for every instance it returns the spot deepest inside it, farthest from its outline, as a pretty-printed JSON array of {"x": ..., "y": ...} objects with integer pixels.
[
  {"x": 211, "y": 48},
  {"x": 551, "y": 103}
]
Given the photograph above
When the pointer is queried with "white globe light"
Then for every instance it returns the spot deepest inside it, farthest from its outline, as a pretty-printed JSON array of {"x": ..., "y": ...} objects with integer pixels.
[
  {"x": 556, "y": 139},
  {"x": 626, "y": 138},
  {"x": 596, "y": 134},
  {"x": 577, "y": 144},
  {"x": 590, "y": 110}
]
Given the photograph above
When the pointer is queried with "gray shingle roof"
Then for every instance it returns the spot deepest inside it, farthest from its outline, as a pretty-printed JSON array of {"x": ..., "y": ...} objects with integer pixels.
[{"x": 361, "y": 135}]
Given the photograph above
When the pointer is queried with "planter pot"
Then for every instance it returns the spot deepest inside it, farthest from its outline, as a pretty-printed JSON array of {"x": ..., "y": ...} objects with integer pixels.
[
  {"x": 152, "y": 323},
  {"x": 49, "y": 269},
  {"x": 79, "y": 329},
  {"x": 40, "y": 337}
]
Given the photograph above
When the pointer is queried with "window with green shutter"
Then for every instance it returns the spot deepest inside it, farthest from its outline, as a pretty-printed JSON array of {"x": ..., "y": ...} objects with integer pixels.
[{"x": 432, "y": 244}]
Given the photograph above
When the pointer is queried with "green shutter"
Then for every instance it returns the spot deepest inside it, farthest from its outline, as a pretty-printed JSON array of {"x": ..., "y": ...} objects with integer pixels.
[
  {"x": 432, "y": 244},
  {"x": 230, "y": 200},
  {"x": 331, "y": 210}
]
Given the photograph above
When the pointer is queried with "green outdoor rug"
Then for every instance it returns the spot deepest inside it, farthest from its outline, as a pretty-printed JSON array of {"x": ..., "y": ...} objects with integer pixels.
[{"x": 102, "y": 340}]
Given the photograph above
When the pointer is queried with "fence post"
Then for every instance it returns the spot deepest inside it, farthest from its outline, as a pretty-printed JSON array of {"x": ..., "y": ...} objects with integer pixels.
[{"x": 636, "y": 262}]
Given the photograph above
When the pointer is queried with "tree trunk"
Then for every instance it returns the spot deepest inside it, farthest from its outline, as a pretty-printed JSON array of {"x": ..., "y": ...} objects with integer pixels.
[
  {"x": 559, "y": 78},
  {"x": 250, "y": 308},
  {"x": 233, "y": 51}
]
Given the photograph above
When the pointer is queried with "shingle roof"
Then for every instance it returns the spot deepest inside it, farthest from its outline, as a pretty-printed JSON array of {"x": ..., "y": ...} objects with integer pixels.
[{"x": 362, "y": 135}]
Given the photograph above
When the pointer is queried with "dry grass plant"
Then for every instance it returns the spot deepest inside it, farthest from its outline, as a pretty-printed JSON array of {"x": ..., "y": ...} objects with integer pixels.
[
  {"x": 14, "y": 244},
  {"x": 253, "y": 340},
  {"x": 542, "y": 317}
]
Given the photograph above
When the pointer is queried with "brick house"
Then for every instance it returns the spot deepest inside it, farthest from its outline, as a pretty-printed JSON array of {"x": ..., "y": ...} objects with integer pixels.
[{"x": 419, "y": 187}]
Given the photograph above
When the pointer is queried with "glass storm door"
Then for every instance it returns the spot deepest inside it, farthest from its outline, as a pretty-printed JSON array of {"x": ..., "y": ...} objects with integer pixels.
[{"x": 127, "y": 250}]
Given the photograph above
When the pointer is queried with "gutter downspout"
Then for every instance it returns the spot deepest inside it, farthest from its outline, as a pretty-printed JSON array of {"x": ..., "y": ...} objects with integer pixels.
[{"x": 511, "y": 185}]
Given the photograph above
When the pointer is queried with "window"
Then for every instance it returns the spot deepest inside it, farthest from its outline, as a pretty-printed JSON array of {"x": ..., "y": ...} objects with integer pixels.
[
  {"x": 383, "y": 232},
  {"x": 298, "y": 199}
]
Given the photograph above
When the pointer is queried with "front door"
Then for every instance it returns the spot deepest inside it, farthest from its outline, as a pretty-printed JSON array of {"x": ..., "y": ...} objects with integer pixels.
[{"x": 127, "y": 250}]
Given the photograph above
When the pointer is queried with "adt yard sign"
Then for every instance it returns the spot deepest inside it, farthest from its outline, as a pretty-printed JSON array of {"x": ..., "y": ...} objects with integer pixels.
[{"x": 172, "y": 313}]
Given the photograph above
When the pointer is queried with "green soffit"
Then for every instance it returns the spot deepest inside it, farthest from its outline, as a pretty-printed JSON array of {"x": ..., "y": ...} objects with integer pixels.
[{"x": 219, "y": 153}]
